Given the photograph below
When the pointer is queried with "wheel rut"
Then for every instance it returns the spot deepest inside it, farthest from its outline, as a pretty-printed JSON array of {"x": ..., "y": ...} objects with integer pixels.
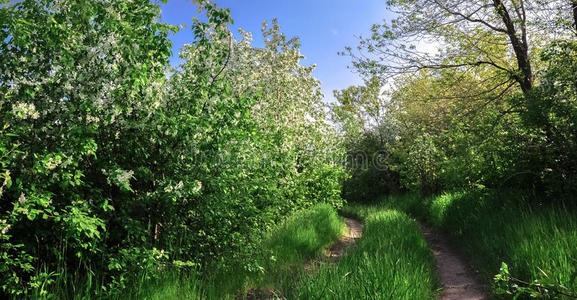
[
  {"x": 353, "y": 232},
  {"x": 458, "y": 280}
]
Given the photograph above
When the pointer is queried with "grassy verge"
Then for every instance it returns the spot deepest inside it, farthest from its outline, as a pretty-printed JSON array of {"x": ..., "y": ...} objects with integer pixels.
[
  {"x": 169, "y": 284},
  {"x": 392, "y": 261},
  {"x": 173, "y": 285},
  {"x": 533, "y": 240},
  {"x": 280, "y": 257},
  {"x": 304, "y": 235},
  {"x": 301, "y": 237}
]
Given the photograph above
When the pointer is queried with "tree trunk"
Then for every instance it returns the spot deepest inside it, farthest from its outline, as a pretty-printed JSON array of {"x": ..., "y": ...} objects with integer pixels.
[
  {"x": 574, "y": 6},
  {"x": 520, "y": 46}
]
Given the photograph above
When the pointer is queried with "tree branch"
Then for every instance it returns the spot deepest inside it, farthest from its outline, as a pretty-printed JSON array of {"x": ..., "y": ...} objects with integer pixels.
[{"x": 470, "y": 17}]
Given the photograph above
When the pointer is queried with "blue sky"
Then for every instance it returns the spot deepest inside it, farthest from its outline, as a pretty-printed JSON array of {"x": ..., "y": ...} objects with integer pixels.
[{"x": 324, "y": 27}]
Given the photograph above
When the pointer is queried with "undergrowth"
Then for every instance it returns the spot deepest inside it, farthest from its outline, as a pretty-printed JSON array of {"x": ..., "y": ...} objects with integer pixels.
[{"x": 284, "y": 249}]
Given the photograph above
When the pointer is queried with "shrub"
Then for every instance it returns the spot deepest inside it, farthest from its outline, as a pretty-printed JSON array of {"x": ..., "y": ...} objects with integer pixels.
[{"x": 115, "y": 167}]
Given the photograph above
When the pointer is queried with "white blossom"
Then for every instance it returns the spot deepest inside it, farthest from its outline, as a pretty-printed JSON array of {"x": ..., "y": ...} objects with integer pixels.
[
  {"x": 5, "y": 227},
  {"x": 124, "y": 177},
  {"x": 197, "y": 186},
  {"x": 52, "y": 163},
  {"x": 24, "y": 110},
  {"x": 22, "y": 198}
]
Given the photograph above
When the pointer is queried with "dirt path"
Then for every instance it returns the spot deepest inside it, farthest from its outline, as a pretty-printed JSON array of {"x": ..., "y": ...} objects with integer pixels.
[
  {"x": 458, "y": 280},
  {"x": 354, "y": 231}
]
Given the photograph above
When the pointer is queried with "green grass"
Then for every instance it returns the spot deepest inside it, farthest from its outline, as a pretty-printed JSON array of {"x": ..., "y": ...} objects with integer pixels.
[
  {"x": 283, "y": 252},
  {"x": 304, "y": 235},
  {"x": 493, "y": 228},
  {"x": 392, "y": 261},
  {"x": 298, "y": 239},
  {"x": 170, "y": 284}
]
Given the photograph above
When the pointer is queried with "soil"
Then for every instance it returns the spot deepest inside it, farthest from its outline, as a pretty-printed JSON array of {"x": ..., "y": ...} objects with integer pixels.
[
  {"x": 353, "y": 232},
  {"x": 339, "y": 248},
  {"x": 457, "y": 278}
]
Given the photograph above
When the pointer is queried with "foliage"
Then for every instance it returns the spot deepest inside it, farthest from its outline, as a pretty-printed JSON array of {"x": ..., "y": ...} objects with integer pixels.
[
  {"x": 453, "y": 129},
  {"x": 547, "y": 289},
  {"x": 74, "y": 76},
  {"x": 549, "y": 120},
  {"x": 464, "y": 35},
  {"x": 362, "y": 115},
  {"x": 115, "y": 167},
  {"x": 481, "y": 103},
  {"x": 478, "y": 94}
]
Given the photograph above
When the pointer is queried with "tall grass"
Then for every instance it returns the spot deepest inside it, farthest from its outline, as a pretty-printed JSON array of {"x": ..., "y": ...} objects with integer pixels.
[
  {"x": 392, "y": 261},
  {"x": 172, "y": 285},
  {"x": 495, "y": 227},
  {"x": 304, "y": 235},
  {"x": 284, "y": 250},
  {"x": 169, "y": 284},
  {"x": 301, "y": 237}
]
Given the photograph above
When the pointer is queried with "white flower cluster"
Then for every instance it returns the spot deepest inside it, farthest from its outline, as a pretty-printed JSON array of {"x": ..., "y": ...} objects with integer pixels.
[
  {"x": 4, "y": 227},
  {"x": 123, "y": 177},
  {"x": 120, "y": 178},
  {"x": 25, "y": 110},
  {"x": 22, "y": 199},
  {"x": 5, "y": 182},
  {"x": 197, "y": 187},
  {"x": 53, "y": 162},
  {"x": 174, "y": 188},
  {"x": 92, "y": 119}
]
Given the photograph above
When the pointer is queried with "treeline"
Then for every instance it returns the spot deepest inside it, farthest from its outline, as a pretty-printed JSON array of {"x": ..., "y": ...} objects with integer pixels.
[
  {"x": 471, "y": 108},
  {"x": 116, "y": 167},
  {"x": 465, "y": 94}
]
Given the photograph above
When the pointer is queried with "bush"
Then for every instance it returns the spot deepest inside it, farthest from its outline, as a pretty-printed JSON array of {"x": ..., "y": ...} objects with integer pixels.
[{"x": 113, "y": 166}]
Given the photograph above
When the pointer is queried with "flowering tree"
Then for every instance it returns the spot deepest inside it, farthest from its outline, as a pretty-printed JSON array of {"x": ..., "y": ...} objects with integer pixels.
[{"x": 110, "y": 166}]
